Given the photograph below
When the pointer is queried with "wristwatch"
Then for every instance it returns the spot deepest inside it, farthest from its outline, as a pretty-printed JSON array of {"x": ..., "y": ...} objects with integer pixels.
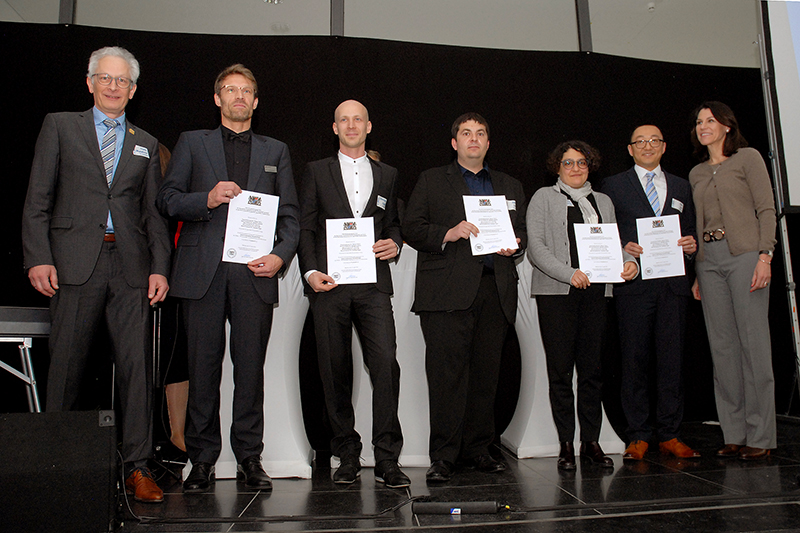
[{"x": 766, "y": 252}]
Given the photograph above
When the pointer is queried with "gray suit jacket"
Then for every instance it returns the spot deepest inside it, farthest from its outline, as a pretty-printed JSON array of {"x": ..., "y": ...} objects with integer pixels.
[
  {"x": 66, "y": 209},
  {"x": 196, "y": 166},
  {"x": 548, "y": 240}
]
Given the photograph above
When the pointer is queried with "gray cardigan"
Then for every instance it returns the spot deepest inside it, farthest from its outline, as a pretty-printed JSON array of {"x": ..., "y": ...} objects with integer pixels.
[{"x": 548, "y": 240}]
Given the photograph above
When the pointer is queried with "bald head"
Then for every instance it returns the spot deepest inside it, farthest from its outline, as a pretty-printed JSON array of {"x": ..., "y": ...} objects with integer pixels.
[{"x": 351, "y": 124}]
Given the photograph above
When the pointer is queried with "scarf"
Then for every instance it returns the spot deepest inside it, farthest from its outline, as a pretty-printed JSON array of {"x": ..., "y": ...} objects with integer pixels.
[{"x": 579, "y": 197}]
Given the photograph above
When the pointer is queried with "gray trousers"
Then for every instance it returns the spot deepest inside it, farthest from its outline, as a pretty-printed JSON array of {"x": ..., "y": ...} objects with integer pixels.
[{"x": 738, "y": 333}]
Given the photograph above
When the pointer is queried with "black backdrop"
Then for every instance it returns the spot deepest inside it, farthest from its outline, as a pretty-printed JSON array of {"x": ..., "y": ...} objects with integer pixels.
[{"x": 532, "y": 101}]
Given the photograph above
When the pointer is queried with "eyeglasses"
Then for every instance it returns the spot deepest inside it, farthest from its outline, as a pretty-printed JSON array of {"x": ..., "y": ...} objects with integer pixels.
[
  {"x": 655, "y": 143},
  {"x": 105, "y": 79},
  {"x": 568, "y": 163},
  {"x": 232, "y": 89}
]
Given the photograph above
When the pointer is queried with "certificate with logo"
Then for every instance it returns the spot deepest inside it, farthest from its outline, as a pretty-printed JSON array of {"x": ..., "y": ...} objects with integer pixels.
[
  {"x": 662, "y": 256},
  {"x": 350, "y": 256},
  {"x": 495, "y": 231},
  {"x": 599, "y": 252},
  {"x": 250, "y": 230}
]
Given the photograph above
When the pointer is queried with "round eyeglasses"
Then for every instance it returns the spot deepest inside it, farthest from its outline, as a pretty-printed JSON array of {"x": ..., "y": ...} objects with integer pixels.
[
  {"x": 655, "y": 143},
  {"x": 105, "y": 79},
  {"x": 568, "y": 163}
]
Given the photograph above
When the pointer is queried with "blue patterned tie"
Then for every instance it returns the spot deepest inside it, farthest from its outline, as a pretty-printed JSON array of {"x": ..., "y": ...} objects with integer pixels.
[
  {"x": 652, "y": 195},
  {"x": 107, "y": 149}
]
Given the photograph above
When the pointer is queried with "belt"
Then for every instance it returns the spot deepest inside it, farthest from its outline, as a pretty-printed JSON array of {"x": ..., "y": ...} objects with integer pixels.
[
  {"x": 109, "y": 237},
  {"x": 714, "y": 235}
]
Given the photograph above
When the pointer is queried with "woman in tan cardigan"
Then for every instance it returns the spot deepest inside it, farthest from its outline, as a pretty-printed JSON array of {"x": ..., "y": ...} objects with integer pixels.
[{"x": 736, "y": 215}]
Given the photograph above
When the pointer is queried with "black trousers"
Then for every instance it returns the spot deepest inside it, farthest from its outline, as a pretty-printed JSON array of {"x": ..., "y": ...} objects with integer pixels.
[
  {"x": 572, "y": 328},
  {"x": 462, "y": 362},
  {"x": 76, "y": 312},
  {"x": 370, "y": 311},
  {"x": 652, "y": 324},
  {"x": 231, "y": 297}
]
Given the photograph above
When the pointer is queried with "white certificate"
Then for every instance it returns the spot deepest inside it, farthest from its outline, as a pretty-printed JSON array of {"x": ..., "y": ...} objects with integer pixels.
[
  {"x": 250, "y": 230},
  {"x": 662, "y": 256},
  {"x": 599, "y": 252},
  {"x": 490, "y": 215},
  {"x": 350, "y": 256}
]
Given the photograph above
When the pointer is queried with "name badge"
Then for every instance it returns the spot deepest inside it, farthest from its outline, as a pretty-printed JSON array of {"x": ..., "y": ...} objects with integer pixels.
[
  {"x": 382, "y": 202},
  {"x": 511, "y": 204},
  {"x": 141, "y": 151},
  {"x": 270, "y": 168},
  {"x": 677, "y": 204}
]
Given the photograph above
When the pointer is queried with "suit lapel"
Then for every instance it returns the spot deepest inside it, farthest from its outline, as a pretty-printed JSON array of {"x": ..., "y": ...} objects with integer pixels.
[
  {"x": 456, "y": 180},
  {"x": 87, "y": 129},
  {"x": 127, "y": 152},
  {"x": 216, "y": 154},
  {"x": 638, "y": 192},
  {"x": 377, "y": 176},
  {"x": 338, "y": 183},
  {"x": 258, "y": 154}
]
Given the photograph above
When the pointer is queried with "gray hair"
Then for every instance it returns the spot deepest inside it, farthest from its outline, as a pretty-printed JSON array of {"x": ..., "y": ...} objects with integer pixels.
[{"x": 116, "y": 51}]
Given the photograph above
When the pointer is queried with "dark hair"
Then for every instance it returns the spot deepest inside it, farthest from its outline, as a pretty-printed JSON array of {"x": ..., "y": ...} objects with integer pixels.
[
  {"x": 466, "y": 117},
  {"x": 591, "y": 154},
  {"x": 238, "y": 68},
  {"x": 724, "y": 115}
]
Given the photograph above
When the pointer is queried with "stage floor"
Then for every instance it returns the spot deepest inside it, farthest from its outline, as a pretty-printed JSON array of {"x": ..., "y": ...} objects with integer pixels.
[{"x": 657, "y": 494}]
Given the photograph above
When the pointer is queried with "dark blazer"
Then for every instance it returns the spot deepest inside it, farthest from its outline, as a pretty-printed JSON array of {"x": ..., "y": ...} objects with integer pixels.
[
  {"x": 448, "y": 279},
  {"x": 323, "y": 196},
  {"x": 197, "y": 165},
  {"x": 630, "y": 203},
  {"x": 68, "y": 201}
]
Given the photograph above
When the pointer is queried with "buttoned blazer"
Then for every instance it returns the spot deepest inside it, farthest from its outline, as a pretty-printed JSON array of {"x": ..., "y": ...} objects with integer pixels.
[
  {"x": 448, "y": 278},
  {"x": 549, "y": 249},
  {"x": 323, "y": 197},
  {"x": 630, "y": 203},
  {"x": 68, "y": 201},
  {"x": 197, "y": 165}
]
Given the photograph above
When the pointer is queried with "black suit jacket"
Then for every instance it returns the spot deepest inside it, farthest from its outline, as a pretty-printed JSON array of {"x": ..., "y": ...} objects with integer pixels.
[
  {"x": 323, "y": 196},
  {"x": 630, "y": 203},
  {"x": 448, "y": 279},
  {"x": 66, "y": 209},
  {"x": 196, "y": 166}
]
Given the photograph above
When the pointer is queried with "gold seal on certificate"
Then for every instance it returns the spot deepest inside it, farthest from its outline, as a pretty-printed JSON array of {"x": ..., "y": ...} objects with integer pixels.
[
  {"x": 350, "y": 256},
  {"x": 250, "y": 230},
  {"x": 599, "y": 252}
]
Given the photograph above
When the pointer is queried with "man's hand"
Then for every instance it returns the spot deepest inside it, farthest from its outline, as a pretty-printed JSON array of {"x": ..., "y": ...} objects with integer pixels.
[
  {"x": 157, "y": 289},
  {"x": 629, "y": 270},
  {"x": 688, "y": 244},
  {"x": 266, "y": 266},
  {"x": 44, "y": 279},
  {"x": 222, "y": 193},
  {"x": 508, "y": 252},
  {"x": 321, "y": 282},
  {"x": 634, "y": 249},
  {"x": 461, "y": 231},
  {"x": 385, "y": 249}
]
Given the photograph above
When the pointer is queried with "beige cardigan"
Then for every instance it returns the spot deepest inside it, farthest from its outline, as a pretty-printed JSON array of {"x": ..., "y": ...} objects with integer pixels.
[{"x": 745, "y": 199}]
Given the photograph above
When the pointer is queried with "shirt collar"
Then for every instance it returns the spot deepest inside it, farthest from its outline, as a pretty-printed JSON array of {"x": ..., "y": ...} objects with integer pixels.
[
  {"x": 641, "y": 171},
  {"x": 99, "y": 117},
  {"x": 230, "y": 135},
  {"x": 347, "y": 159},
  {"x": 465, "y": 172}
]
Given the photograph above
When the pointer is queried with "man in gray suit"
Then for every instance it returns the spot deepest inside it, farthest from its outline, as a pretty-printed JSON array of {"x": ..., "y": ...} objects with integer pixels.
[
  {"x": 208, "y": 168},
  {"x": 95, "y": 244}
]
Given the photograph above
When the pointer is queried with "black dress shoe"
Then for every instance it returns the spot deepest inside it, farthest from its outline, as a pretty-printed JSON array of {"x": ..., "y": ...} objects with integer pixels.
[
  {"x": 593, "y": 452},
  {"x": 486, "y": 463},
  {"x": 566, "y": 457},
  {"x": 200, "y": 478},
  {"x": 348, "y": 471},
  {"x": 389, "y": 473},
  {"x": 440, "y": 471},
  {"x": 252, "y": 474}
]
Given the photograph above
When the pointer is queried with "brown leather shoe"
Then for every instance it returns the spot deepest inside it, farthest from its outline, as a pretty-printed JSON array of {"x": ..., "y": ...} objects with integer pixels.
[
  {"x": 143, "y": 487},
  {"x": 748, "y": 453},
  {"x": 566, "y": 457},
  {"x": 636, "y": 450},
  {"x": 729, "y": 450},
  {"x": 591, "y": 451},
  {"x": 678, "y": 449}
]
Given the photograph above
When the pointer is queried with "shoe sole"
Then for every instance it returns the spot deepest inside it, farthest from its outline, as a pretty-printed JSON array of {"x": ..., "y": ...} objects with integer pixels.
[
  {"x": 211, "y": 483},
  {"x": 404, "y": 485},
  {"x": 347, "y": 481}
]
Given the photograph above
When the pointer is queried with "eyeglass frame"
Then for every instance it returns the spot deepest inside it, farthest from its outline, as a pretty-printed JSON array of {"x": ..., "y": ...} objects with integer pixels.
[
  {"x": 117, "y": 79},
  {"x": 649, "y": 141},
  {"x": 241, "y": 88},
  {"x": 568, "y": 163}
]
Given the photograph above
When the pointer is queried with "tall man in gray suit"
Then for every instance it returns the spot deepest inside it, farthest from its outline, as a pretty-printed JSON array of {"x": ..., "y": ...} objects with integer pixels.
[
  {"x": 95, "y": 244},
  {"x": 207, "y": 169},
  {"x": 350, "y": 185}
]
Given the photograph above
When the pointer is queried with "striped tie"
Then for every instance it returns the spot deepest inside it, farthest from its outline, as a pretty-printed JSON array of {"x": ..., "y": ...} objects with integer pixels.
[
  {"x": 652, "y": 195},
  {"x": 107, "y": 149}
]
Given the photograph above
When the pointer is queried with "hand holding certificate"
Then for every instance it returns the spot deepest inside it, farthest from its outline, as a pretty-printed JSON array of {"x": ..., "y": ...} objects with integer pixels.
[
  {"x": 495, "y": 231},
  {"x": 350, "y": 256},
  {"x": 662, "y": 256},
  {"x": 250, "y": 230},
  {"x": 599, "y": 252}
]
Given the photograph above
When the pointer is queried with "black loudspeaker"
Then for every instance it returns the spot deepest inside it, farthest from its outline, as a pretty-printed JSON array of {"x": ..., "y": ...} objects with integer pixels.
[{"x": 57, "y": 472}]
